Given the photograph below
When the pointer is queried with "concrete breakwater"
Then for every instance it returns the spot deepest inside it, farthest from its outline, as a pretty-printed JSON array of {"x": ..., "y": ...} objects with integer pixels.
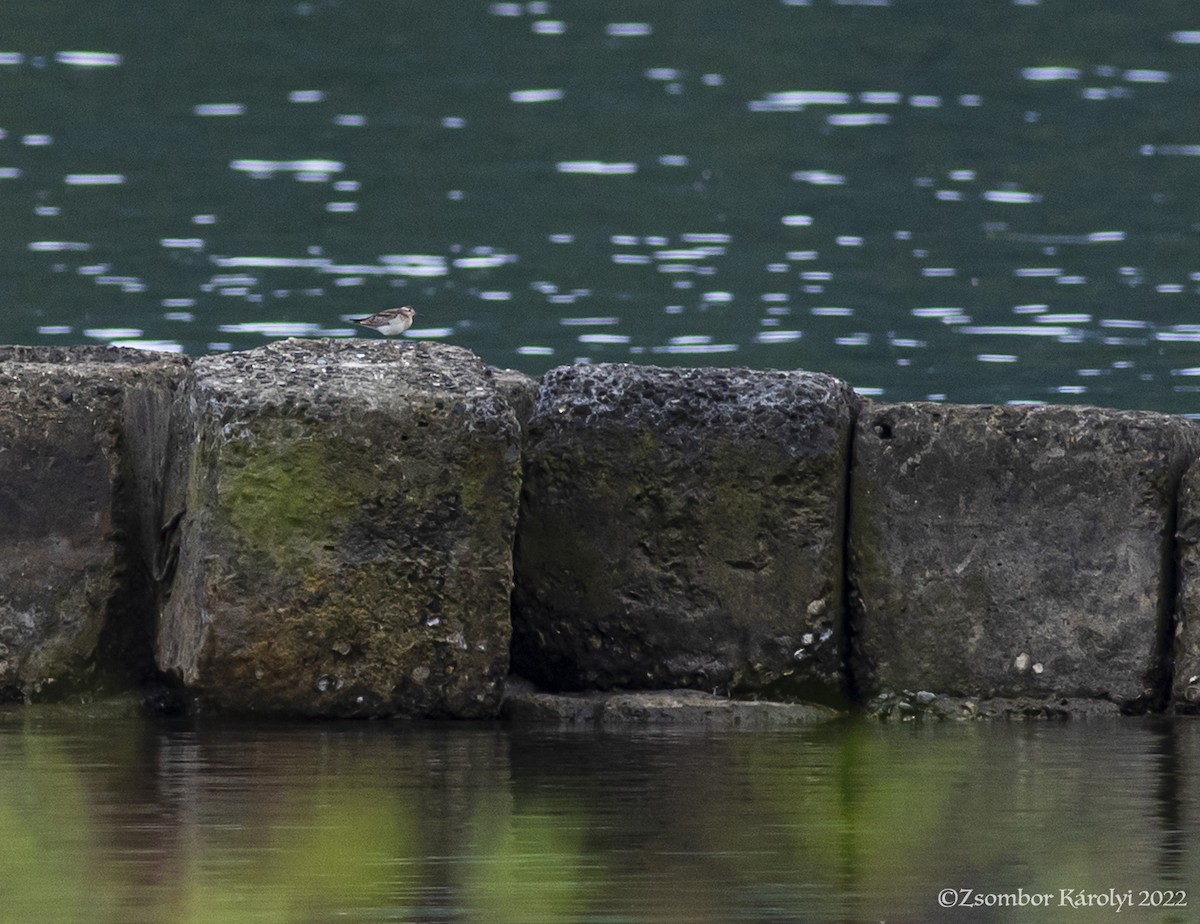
[{"x": 353, "y": 528}]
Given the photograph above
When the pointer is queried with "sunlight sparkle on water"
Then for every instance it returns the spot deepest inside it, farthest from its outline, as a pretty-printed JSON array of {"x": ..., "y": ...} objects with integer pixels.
[
  {"x": 496, "y": 213},
  {"x": 88, "y": 58}
]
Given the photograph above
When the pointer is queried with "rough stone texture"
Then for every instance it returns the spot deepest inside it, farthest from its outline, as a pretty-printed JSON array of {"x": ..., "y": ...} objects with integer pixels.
[
  {"x": 690, "y": 708},
  {"x": 75, "y": 584},
  {"x": 1186, "y": 685},
  {"x": 1014, "y": 551},
  {"x": 906, "y": 706},
  {"x": 520, "y": 390},
  {"x": 344, "y": 544},
  {"x": 683, "y": 528}
]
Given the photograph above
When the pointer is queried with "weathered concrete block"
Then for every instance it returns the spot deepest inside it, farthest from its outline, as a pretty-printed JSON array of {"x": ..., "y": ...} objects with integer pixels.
[
  {"x": 346, "y": 516},
  {"x": 75, "y": 581},
  {"x": 520, "y": 390},
  {"x": 1186, "y": 681},
  {"x": 683, "y": 528},
  {"x": 1014, "y": 551}
]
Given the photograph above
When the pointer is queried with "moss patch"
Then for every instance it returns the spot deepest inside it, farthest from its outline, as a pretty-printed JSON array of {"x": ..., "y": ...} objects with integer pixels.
[{"x": 287, "y": 500}]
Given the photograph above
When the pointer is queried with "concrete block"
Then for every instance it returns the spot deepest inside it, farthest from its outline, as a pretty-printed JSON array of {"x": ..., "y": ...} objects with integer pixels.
[
  {"x": 683, "y": 528},
  {"x": 1014, "y": 551},
  {"x": 76, "y": 454},
  {"x": 345, "y": 516},
  {"x": 1185, "y": 693}
]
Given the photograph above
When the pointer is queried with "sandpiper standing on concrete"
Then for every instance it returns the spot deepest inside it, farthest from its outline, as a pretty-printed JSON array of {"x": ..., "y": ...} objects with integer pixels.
[{"x": 390, "y": 322}]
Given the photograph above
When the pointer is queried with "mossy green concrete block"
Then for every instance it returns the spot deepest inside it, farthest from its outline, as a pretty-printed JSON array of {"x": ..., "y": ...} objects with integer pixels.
[
  {"x": 684, "y": 528},
  {"x": 1015, "y": 551},
  {"x": 346, "y": 516}
]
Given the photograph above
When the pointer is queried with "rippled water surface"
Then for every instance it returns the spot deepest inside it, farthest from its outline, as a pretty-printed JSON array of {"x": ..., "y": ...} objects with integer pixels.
[
  {"x": 972, "y": 201},
  {"x": 108, "y": 820}
]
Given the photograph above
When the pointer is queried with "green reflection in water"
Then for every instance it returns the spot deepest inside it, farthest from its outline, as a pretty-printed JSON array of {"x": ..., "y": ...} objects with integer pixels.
[
  {"x": 527, "y": 867},
  {"x": 323, "y": 849},
  {"x": 118, "y": 820},
  {"x": 901, "y": 813},
  {"x": 41, "y": 838}
]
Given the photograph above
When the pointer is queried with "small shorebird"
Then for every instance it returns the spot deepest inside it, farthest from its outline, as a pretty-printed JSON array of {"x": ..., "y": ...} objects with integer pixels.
[{"x": 390, "y": 321}]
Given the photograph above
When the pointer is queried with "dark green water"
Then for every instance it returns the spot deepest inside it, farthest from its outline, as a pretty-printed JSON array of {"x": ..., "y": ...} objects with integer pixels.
[
  {"x": 126, "y": 821},
  {"x": 981, "y": 201}
]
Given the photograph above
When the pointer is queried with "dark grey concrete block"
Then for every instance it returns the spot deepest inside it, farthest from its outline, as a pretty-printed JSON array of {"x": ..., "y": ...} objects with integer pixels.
[
  {"x": 1014, "y": 551},
  {"x": 683, "y": 528},
  {"x": 80, "y": 439}
]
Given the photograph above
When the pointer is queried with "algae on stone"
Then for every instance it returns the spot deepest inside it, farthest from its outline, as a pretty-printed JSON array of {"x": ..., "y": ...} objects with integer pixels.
[{"x": 346, "y": 548}]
